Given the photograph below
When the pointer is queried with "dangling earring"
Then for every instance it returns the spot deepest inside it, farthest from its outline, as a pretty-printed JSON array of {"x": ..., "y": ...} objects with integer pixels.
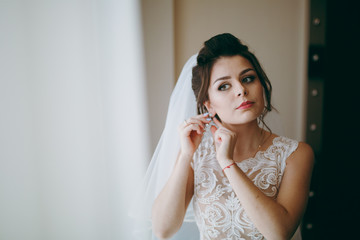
[{"x": 208, "y": 112}]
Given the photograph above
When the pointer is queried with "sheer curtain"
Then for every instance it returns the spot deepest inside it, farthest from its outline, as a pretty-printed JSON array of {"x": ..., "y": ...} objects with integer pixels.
[{"x": 73, "y": 123}]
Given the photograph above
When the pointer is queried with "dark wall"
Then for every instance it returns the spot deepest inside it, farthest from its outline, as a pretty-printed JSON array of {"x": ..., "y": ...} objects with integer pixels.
[{"x": 334, "y": 209}]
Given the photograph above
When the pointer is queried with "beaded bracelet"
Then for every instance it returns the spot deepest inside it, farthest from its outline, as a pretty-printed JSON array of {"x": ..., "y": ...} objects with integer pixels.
[{"x": 228, "y": 166}]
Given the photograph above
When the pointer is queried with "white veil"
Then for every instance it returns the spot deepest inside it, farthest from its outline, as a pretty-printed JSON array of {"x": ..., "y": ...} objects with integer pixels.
[{"x": 182, "y": 106}]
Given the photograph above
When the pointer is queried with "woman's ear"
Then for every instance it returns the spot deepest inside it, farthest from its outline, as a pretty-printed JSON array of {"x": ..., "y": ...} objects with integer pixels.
[{"x": 209, "y": 108}]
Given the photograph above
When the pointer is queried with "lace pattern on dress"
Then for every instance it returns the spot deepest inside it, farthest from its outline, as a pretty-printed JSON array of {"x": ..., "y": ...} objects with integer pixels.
[{"x": 218, "y": 212}]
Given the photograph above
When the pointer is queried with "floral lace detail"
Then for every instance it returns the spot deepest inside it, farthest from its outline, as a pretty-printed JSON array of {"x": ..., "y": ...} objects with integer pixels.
[{"x": 218, "y": 212}]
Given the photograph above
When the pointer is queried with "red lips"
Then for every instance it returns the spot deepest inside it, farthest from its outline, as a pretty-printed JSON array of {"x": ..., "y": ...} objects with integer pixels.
[{"x": 245, "y": 104}]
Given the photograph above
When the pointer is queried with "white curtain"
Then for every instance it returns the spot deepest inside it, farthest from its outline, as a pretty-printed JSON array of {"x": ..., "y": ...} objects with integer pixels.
[{"x": 73, "y": 120}]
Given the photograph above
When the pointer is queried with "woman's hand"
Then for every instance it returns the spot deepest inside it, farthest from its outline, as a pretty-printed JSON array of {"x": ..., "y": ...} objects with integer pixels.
[
  {"x": 191, "y": 131},
  {"x": 225, "y": 141}
]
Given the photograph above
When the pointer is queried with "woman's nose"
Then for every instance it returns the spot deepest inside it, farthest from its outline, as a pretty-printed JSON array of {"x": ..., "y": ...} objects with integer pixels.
[{"x": 241, "y": 90}]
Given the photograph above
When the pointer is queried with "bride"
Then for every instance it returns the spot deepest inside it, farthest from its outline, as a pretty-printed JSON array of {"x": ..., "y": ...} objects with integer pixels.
[{"x": 226, "y": 170}]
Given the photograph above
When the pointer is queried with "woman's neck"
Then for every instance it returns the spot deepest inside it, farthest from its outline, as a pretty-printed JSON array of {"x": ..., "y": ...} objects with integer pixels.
[{"x": 250, "y": 138}]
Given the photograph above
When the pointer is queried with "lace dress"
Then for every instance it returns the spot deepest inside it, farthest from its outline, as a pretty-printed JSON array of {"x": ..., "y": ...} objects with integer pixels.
[{"x": 218, "y": 212}]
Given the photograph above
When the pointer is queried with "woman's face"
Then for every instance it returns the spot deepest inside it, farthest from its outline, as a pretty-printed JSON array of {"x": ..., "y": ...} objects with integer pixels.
[{"x": 235, "y": 91}]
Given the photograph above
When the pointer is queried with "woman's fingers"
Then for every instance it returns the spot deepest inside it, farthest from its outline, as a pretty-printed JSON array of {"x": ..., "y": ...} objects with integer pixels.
[
  {"x": 217, "y": 122},
  {"x": 196, "y": 123},
  {"x": 221, "y": 133},
  {"x": 192, "y": 121},
  {"x": 194, "y": 127},
  {"x": 191, "y": 131},
  {"x": 199, "y": 119},
  {"x": 213, "y": 129}
]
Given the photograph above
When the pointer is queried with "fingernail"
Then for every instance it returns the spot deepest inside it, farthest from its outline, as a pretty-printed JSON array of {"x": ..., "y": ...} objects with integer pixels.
[
  {"x": 205, "y": 114},
  {"x": 208, "y": 119}
]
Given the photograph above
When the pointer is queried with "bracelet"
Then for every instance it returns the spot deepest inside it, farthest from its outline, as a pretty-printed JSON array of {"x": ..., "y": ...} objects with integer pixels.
[{"x": 228, "y": 166}]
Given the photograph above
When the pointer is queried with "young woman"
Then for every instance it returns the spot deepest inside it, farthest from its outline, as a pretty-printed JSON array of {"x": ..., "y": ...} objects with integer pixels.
[{"x": 245, "y": 181}]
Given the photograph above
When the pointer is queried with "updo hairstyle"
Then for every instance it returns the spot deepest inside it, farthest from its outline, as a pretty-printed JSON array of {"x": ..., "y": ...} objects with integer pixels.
[{"x": 224, "y": 45}]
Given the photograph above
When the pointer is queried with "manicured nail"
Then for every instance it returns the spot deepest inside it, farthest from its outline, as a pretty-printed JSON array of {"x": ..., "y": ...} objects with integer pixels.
[
  {"x": 208, "y": 119},
  {"x": 205, "y": 114}
]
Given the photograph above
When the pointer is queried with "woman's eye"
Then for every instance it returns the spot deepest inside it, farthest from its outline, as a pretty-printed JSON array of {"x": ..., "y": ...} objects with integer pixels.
[
  {"x": 248, "y": 79},
  {"x": 224, "y": 87}
]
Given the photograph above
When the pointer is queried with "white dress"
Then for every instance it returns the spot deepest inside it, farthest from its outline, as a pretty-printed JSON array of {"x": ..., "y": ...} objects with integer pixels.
[{"x": 218, "y": 212}]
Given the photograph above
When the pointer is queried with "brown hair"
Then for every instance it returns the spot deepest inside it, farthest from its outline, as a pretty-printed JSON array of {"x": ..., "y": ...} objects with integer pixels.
[{"x": 224, "y": 45}]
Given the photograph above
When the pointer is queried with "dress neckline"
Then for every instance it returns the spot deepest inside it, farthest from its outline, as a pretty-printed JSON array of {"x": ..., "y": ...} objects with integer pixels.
[{"x": 256, "y": 156}]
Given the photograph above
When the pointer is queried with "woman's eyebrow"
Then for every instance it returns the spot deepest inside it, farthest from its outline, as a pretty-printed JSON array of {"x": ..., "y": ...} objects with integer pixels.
[
  {"x": 228, "y": 77},
  {"x": 246, "y": 70},
  {"x": 222, "y": 78}
]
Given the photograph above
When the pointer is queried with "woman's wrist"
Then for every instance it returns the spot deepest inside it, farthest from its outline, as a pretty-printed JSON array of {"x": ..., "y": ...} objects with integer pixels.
[
  {"x": 185, "y": 155},
  {"x": 228, "y": 166},
  {"x": 226, "y": 162}
]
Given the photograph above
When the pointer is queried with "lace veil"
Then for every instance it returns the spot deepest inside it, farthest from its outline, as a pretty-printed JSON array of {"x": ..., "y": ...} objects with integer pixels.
[{"x": 182, "y": 106}]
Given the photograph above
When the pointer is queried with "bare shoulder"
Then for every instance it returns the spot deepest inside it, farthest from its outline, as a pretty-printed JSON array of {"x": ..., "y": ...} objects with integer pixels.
[
  {"x": 294, "y": 188},
  {"x": 303, "y": 151},
  {"x": 306, "y": 148},
  {"x": 301, "y": 158}
]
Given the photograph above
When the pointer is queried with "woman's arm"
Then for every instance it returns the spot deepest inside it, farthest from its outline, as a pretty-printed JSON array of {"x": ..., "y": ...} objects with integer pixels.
[
  {"x": 277, "y": 219},
  {"x": 170, "y": 206}
]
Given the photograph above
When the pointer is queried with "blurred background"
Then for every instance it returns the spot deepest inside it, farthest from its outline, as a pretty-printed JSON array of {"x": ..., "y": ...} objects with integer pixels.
[
  {"x": 84, "y": 91},
  {"x": 73, "y": 128}
]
